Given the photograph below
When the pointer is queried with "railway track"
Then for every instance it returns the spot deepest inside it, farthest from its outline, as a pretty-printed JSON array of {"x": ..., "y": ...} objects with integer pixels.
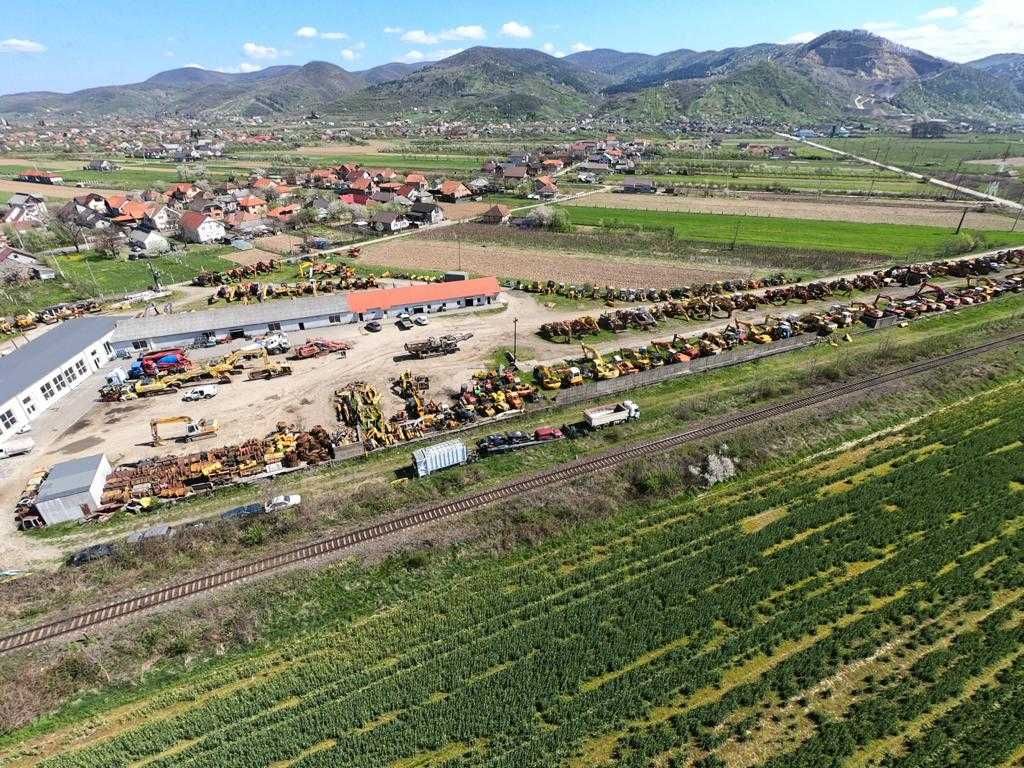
[{"x": 559, "y": 474}]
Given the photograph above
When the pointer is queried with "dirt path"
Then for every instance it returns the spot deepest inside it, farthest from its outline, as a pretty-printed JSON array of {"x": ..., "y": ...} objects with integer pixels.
[
  {"x": 830, "y": 208},
  {"x": 54, "y": 191}
]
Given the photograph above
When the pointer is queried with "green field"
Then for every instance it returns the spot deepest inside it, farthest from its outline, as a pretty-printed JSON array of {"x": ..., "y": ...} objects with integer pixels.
[
  {"x": 923, "y": 155},
  {"x": 89, "y": 274},
  {"x": 401, "y": 163},
  {"x": 886, "y": 184},
  {"x": 859, "y": 604},
  {"x": 893, "y": 240}
]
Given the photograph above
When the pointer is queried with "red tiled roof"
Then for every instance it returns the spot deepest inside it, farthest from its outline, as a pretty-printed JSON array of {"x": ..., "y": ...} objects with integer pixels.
[
  {"x": 361, "y": 183},
  {"x": 451, "y": 187},
  {"x": 415, "y": 178},
  {"x": 251, "y": 202},
  {"x": 388, "y": 298},
  {"x": 192, "y": 219}
]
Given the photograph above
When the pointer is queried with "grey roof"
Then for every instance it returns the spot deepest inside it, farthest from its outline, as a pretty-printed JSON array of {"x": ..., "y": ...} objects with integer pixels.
[
  {"x": 235, "y": 316},
  {"x": 55, "y": 348},
  {"x": 70, "y": 477}
]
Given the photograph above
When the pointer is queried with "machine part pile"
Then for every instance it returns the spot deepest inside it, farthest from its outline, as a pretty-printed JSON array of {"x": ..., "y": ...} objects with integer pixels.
[
  {"x": 255, "y": 291},
  {"x": 176, "y": 477},
  {"x": 26, "y": 321},
  {"x": 207, "y": 278},
  {"x": 612, "y": 294},
  {"x": 720, "y": 306},
  {"x": 437, "y": 347},
  {"x": 319, "y": 347}
]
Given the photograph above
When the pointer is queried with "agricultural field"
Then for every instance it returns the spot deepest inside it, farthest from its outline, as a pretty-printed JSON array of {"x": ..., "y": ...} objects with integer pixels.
[
  {"x": 399, "y": 162},
  {"x": 89, "y": 274},
  {"x": 856, "y": 606},
  {"x": 891, "y": 240},
  {"x": 827, "y": 208},
  {"x": 931, "y": 155}
]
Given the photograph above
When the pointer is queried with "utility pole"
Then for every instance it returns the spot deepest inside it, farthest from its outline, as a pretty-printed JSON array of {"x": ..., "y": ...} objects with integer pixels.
[
  {"x": 961, "y": 224},
  {"x": 515, "y": 339},
  {"x": 1020, "y": 209}
]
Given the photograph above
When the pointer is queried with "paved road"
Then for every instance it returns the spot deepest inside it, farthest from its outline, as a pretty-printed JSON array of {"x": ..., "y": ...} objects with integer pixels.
[{"x": 931, "y": 180}]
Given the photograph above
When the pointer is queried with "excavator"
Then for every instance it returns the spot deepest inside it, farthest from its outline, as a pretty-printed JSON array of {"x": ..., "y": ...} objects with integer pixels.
[
  {"x": 603, "y": 370},
  {"x": 194, "y": 430},
  {"x": 758, "y": 334}
]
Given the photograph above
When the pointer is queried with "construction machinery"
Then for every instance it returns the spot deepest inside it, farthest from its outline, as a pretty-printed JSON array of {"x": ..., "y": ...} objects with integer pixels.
[
  {"x": 271, "y": 370},
  {"x": 436, "y": 347},
  {"x": 194, "y": 430},
  {"x": 319, "y": 347},
  {"x": 603, "y": 370}
]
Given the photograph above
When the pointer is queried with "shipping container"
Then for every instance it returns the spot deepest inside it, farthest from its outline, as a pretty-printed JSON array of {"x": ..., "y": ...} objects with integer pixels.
[{"x": 450, "y": 453}]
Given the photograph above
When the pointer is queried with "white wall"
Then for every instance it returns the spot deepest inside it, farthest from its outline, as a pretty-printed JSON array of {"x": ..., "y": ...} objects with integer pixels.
[{"x": 92, "y": 358}]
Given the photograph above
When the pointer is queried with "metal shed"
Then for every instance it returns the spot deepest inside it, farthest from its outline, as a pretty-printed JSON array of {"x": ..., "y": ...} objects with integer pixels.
[{"x": 72, "y": 489}]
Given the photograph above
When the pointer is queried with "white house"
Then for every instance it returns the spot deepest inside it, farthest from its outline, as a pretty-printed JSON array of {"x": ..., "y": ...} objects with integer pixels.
[
  {"x": 163, "y": 219},
  {"x": 41, "y": 372},
  {"x": 149, "y": 240},
  {"x": 199, "y": 228},
  {"x": 72, "y": 489}
]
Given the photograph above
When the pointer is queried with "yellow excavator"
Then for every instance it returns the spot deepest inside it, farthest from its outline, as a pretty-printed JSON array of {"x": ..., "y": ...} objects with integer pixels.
[
  {"x": 603, "y": 370},
  {"x": 194, "y": 430}
]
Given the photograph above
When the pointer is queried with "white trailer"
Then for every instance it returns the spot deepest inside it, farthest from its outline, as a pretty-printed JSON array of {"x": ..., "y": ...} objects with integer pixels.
[
  {"x": 16, "y": 446},
  {"x": 451, "y": 453},
  {"x": 609, "y": 415}
]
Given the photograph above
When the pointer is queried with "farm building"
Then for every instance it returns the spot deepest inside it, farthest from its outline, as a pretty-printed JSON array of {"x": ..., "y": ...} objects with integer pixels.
[
  {"x": 420, "y": 299},
  {"x": 72, "y": 489},
  {"x": 301, "y": 314},
  {"x": 41, "y": 372},
  {"x": 639, "y": 186}
]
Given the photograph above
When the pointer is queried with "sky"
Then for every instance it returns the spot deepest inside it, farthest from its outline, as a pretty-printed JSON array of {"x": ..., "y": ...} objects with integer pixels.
[{"x": 64, "y": 45}]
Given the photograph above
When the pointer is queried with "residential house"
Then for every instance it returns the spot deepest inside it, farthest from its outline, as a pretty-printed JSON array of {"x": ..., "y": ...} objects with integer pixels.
[
  {"x": 199, "y": 228},
  {"x": 321, "y": 206},
  {"x": 101, "y": 165},
  {"x": 148, "y": 240},
  {"x": 163, "y": 218},
  {"x": 383, "y": 175},
  {"x": 361, "y": 185},
  {"x": 284, "y": 213},
  {"x": 74, "y": 212},
  {"x": 182, "y": 191},
  {"x": 40, "y": 177},
  {"x": 545, "y": 187},
  {"x": 389, "y": 221},
  {"x": 23, "y": 264},
  {"x": 553, "y": 165},
  {"x": 496, "y": 214},
  {"x": 453, "y": 191},
  {"x": 489, "y": 166},
  {"x": 209, "y": 206},
  {"x": 252, "y": 204},
  {"x": 33, "y": 207},
  {"x": 133, "y": 212},
  {"x": 479, "y": 185},
  {"x": 426, "y": 213},
  {"x": 417, "y": 179}
]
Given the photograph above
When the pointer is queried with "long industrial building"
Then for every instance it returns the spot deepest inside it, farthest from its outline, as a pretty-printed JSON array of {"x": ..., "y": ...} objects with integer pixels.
[
  {"x": 301, "y": 314},
  {"x": 44, "y": 370}
]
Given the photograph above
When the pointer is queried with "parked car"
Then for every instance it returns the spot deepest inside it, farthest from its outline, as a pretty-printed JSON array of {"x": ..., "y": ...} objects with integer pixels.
[
  {"x": 404, "y": 324},
  {"x": 200, "y": 393},
  {"x": 421, "y": 320},
  {"x": 374, "y": 326},
  {"x": 279, "y": 503},
  {"x": 87, "y": 555}
]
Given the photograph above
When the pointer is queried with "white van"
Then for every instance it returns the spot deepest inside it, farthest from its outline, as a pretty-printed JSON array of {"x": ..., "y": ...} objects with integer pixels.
[
  {"x": 200, "y": 393},
  {"x": 16, "y": 446}
]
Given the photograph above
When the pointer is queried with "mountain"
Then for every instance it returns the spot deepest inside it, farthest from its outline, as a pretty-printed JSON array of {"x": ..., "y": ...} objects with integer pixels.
[
  {"x": 1006, "y": 66},
  {"x": 843, "y": 74},
  {"x": 605, "y": 61},
  {"x": 486, "y": 83}
]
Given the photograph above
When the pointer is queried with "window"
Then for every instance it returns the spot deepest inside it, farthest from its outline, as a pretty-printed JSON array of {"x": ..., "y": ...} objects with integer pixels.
[
  {"x": 81, "y": 368},
  {"x": 7, "y": 419},
  {"x": 334, "y": 319},
  {"x": 273, "y": 326},
  {"x": 140, "y": 345},
  {"x": 47, "y": 390},
  {"x": 30, "y": 407},
  {"x": 59, "y": 382},
  {"x": 69, "y": 373}
]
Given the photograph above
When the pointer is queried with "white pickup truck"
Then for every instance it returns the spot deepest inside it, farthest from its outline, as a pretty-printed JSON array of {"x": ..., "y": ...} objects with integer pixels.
[{"x": 16, "y": 446}]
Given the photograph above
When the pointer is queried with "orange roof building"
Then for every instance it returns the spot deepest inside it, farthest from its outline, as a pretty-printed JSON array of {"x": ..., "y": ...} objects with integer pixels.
[{"x": 431, "y": 297}]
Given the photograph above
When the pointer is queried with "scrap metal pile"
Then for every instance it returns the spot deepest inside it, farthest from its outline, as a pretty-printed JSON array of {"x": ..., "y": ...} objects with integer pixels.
[
  {"x": 611, "y": 293},
  {"x": 255, "y": 291},
  {"x": 318, "y": 348},
  {"x": 48, "y": 316},
  {"x": 710, "y": 306},
  {"x": 178, "y": 476},
  {"x": 928, "y": 299},
  {"x": 207, "y": 278}
]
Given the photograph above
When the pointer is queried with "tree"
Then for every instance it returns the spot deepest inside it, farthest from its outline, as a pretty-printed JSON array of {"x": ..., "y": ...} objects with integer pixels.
[
  {"x": 64, "y": 233},
  {"x": 107, "y": 242},
  {"x": 271, "y": 195}
]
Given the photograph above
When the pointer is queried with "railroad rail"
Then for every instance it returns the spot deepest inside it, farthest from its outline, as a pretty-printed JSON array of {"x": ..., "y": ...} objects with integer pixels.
[{"x": 559, "y": 474}]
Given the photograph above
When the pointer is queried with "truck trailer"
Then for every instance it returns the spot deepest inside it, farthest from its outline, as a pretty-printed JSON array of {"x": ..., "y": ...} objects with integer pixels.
[
  {"x": 451, "y": 453},
  {"x": 610, "y": 415}
]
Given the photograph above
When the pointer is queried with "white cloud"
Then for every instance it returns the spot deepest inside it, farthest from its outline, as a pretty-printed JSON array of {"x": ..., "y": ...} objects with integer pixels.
[
  {"x": 349, "y": 54},
  {"x": 393, "y": 30},
  {"x": 411, "y": 57},
  {"x": 334, "y": 35},
  {"x": 421, "y": 37},
  {"x": 248, "y": 66},
  {"x": 257, "y": 51},
  {"x": 800, "y": 37},
  {"x": 20, "y": 45},
  {"x": 444, "y": 53},
  {"x": 193, "y": 65},
  {"x": 515, "y": 29},
  {"x": 989, "y": 26},
  {"x": 306, "y": 32},
  {"x": 552, "y": 49},
  {"x": 944, "y": 12},
  {"x": 463, "y": 32},
  {"x": 580, "y": 47}
]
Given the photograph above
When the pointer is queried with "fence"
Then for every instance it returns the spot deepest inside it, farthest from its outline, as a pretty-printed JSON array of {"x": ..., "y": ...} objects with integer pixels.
[{"x": 664, "y": 373}]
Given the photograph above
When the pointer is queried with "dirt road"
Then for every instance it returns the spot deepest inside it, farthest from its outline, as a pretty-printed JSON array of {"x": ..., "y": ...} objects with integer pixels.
[
  {"x": 53, "y": 191},
  {"x": 827, "y": 207}
]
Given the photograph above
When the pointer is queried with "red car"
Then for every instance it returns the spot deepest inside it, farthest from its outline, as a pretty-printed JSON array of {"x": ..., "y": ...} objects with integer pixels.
[{"x": 548, "y": 433}]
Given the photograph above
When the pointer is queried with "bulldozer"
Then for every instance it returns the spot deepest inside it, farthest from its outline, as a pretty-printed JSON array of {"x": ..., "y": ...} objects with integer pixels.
[
  {"x": 547, "y": 377},
  {"x": 603, "y": 370},
  {"x": 755, "y": 333},
  {"x": 194, "y": 430}
]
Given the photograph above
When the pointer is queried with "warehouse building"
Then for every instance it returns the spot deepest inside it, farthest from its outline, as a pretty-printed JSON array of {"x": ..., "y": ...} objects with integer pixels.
[
  {"x": 73, "y": 489},
  {"x": 306, "y": 313},
  {"x": 44, "y": 370}
]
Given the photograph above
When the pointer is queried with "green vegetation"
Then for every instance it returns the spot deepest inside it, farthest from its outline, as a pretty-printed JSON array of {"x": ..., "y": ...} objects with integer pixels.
[
  {"x": 853, "y": 604},
  {"x": 400, "y": 163},
  {"x": 89, "y": 274},
  {"x": 893, "y": 240},
  {"x": 931, "y": 155}
]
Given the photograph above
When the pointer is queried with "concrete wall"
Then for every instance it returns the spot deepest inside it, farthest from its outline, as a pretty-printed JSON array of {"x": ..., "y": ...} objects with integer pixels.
[
  {"x": 663, "y": 373},
  {"x": 31, "y": 402}
]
